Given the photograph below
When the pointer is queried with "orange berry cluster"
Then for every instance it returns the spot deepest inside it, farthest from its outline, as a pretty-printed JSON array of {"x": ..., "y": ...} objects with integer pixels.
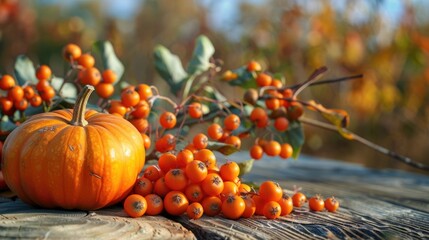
[
  {"x": 88, "y": 74},
  {"x": 192, "y": 183},
  {"x": 278, "y": 110},
  {"x": 19, "y": 98}
]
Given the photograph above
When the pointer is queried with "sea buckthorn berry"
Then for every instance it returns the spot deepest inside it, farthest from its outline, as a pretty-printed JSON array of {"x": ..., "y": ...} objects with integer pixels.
[
  {"x": 109, "y": 76},
  {"x": 160, "y": 188},
  {"x": 86, "y": 60},
  {"x": 165, "y": 143},
  {"x": 5, "y": 104},
  {"x": 200, "y": 141},
  {"x": 7, "y": 82},
  {"x": 212, "y": 205},
  {"x": 130, "y": 98},
  {"x": 141, "y": 124},
  {"x": 167, "y": 161},
  {"x": 104, "y": 90},
  {"x": 229, "y": 171},
  {"x": 249, "y": 206},
  {"x": 28, "y": 92},
  {"x": 141, "y": 110},
  {"x": 234, "y": 141},
  {"x": 256, "y": 152},
  {"x": 294, "y": 111},
  {"x": 281, "y": 124},
  {"x": 42, "y": 85},
  {"x": 299, "y": 199},
  {"x": 21, "y": 105},
  {"x": 272, "y": 210},
  {"x": 167, "y": 120},
  {"x": 195, "y": 210},
  {"x": 184, "y": 157},
  {"x": 212, "y": 185},
  {"x": 144, "y": 91},
  {"x": 16, "y": 93},
  {"x": 259, "y": 204},
  {"x": 332, "y": 204},
  {"x": 229, "y": 188},
  {"x": 253, "y": 66},
  {"x": 286, "y": 151},
  {"x": 196, "y": 171},
  {"x": 231, "y": 122},
  {"x": 272, "y": 148},
  {"x": 155, "y": 205},
  {"x": 152, "y": 172},
  {"x": 215, "y": 131},
  {"x": 272, "y": 103},
  {"x": 270, "y": 191},
  {"x": 135, "y": 205},
  {"x": 143, "y": 186},
  {"x": 195, "y": 110},
  {"x": 277, "y": 83},
  {"x": 175, "y": 179},
  {"x": 229, "y": 75},
  {"x": 286, "y": 204},
  {"x": 316, "y": 203},
  {"x": 43, "y": 72},
  {"x": 175, "y": 203},
  {"x": 207, "y": 157},
  {"x": 116, "y": 107},
  {"x": 244, "y": 188},
  {"x": 36, "y": 100},
  {"x": 263, "y": 80},
  {"x": 194, "y": 192},
  {"x": 259, "y": 117},
  {"x": 47, "y": 94},
  {"x": 233, "y": 207},
  {"x": 146, "y": 141},
  {"x": 71, "y": 52},
  {"x": 89, "y": 76}
]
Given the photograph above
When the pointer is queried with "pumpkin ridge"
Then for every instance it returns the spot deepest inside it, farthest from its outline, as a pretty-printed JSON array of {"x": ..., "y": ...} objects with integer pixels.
[
  {"x": 125, "y": 134},
  {"x": 100, "y": 191}
]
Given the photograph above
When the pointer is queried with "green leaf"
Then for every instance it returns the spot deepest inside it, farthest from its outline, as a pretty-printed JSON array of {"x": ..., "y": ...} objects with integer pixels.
[
  {"x": 170, "y": 68},
  {"x": 24, "y": 70},
  {"x": 295, "y": 137},
  {"x": 200, "y": 60},
  {"x": 245, "y": 79},
  {"x": 69, "y": 90},
  {"x": 245, "y": 167},
  {"x": 6, "y": 125},
  {"x": 109, "y": 58},
  {"x": 225, "y": 149}
]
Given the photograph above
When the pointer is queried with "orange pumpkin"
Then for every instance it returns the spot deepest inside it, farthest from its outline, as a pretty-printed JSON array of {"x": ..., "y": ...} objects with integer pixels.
[{"x": 73, "y": 159}]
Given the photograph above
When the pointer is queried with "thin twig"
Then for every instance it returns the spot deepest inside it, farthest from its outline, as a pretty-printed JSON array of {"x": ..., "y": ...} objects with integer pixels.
[
  {"x": 334, "y": 80},
  {"x": 368, "y": 143}
]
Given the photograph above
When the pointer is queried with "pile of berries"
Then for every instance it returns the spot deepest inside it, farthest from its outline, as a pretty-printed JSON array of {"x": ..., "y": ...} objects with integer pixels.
[{"x": 190, "y": 182}]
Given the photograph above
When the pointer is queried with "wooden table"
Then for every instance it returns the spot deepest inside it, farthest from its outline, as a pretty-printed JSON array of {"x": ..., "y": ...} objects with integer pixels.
[{"x": 375, "y": 204}]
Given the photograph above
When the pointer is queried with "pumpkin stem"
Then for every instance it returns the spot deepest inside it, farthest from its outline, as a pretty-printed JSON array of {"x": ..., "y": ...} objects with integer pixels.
[{"x": 79, "y": 110}]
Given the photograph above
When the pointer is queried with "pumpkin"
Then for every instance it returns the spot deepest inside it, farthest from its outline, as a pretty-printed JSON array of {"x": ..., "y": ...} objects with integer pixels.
[{"x": 73, "y": 158}]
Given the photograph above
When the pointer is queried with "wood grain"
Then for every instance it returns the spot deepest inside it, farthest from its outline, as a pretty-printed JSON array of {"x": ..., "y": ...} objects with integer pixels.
[{"x": 18, "y": 220}]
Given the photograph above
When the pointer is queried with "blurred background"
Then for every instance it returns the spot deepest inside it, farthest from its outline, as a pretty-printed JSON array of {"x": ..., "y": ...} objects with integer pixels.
[{"x": 386, "y": 40}]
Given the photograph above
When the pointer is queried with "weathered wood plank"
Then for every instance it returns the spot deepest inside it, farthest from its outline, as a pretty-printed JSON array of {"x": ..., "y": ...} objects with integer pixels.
[
  {"x": 18, "y": 220},
  {"x": 375, "y": 204}
]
